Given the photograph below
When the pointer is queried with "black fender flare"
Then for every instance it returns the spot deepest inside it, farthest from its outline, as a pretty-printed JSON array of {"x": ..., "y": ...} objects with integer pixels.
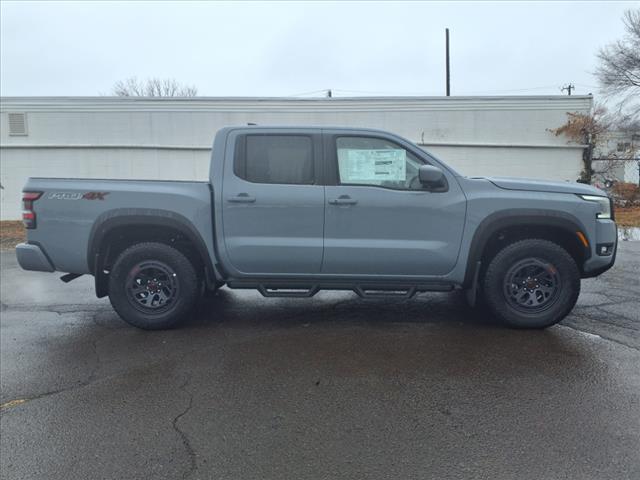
[
  {"x": 516, "y": 217},
  {"x": 116, "y": 218}
]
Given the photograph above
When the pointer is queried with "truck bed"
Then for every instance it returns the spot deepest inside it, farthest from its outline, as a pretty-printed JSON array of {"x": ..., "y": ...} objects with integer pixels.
[{"x": 70, "y": 211}]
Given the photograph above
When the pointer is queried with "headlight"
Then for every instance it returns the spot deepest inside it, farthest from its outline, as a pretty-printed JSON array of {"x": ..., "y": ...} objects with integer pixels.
[{"x": 604, "y": 205}]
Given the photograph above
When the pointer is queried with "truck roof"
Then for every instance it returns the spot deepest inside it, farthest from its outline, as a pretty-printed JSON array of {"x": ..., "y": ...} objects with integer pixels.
[{"x": 305, "y": 127}]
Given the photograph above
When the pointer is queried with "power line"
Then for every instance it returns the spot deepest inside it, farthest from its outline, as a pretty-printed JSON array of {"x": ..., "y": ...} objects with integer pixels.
[
  {"x": 378, "y": 92},
  {"x": 339, "y": 91},
  {"x": 323, "y": 90},
  {"x": 513, "y": 90}
]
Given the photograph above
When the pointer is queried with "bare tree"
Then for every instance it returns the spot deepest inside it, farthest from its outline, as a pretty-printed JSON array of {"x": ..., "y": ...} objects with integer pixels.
[
  {"x": 628, "y": 124},
  {"x": 599, "y": 131},
  {"x": 152, "y": 87},
  {"x": 619, "y": 69}
]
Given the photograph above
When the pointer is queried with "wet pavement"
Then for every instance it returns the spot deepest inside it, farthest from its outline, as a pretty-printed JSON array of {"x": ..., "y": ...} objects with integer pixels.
[{"x": 332, "y": 387}]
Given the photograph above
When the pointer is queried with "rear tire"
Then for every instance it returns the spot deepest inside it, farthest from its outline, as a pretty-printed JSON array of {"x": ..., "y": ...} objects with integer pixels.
[
  {"x": 532, "y": 283},
  {"x": 153, "y": 286}
]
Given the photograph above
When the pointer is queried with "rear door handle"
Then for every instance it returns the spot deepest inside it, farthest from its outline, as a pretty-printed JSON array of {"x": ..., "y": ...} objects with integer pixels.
[
  {"x": 242, "y": 198},
  {"x": 343, "y": 200}
]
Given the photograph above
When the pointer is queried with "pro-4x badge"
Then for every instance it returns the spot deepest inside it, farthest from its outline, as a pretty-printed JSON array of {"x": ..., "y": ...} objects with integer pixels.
[
  {"x": 77, "y": 195},
  {"x": 95, "y": 195}
]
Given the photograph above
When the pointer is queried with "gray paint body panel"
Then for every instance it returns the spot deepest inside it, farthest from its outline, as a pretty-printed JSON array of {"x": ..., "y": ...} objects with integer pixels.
[
  {"x": 390, "y": 232},
  {"x": 509, "y": 183},
  {"x": 280, "y": 231},
  {"x": 65, "y": 222},
  {"x": 291, "y": 233}
]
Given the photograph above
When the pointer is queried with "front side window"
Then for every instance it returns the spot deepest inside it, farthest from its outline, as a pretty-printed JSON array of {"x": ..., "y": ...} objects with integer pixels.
[
  {"x": 285, "y": 159},
  {"x": 377, "y": 162}
]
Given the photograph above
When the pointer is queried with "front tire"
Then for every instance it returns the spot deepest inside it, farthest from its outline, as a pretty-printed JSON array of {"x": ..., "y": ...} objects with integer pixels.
[
  {"x": 532, "y": 283},
  {"x": 153, "y": 286}
]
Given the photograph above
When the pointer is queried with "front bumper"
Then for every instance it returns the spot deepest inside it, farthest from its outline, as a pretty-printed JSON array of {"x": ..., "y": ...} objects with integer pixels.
[
  {"x": 606, "y": 234},
  {"x": 32, "y": 257}
]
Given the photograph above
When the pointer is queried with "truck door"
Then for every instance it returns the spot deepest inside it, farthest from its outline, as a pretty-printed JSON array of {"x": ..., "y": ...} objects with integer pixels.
[
  {"x": 273, "y": 211},
  {"x": 379, "y": 220}
]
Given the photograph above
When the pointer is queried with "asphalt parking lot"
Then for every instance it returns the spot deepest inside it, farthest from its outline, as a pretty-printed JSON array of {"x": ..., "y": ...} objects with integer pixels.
[{"x": 333, "y": 387}]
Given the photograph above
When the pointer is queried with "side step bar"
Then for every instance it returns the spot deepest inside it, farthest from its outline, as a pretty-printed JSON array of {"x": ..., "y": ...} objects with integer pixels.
[
  {"x": 377, "y": 293},
  {"x": 363, "y": 290},
  {"x": 287, "y": 292}
]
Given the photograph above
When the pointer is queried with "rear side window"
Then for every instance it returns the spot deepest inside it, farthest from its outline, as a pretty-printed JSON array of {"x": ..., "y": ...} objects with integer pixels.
[{"x": 285, "y": 159}]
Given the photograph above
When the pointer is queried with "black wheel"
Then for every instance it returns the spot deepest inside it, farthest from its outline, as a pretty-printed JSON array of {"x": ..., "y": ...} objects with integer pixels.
[
  {"x": 531, "y": 284},
  {"x": 153, "y": 286}
]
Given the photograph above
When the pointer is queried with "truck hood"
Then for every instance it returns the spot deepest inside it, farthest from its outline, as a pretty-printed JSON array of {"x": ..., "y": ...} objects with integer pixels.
[{"x": 534, "y": 185}]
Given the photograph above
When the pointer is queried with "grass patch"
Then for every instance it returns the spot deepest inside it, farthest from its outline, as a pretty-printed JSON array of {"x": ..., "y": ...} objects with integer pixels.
[
  {"x": 628, "y": 216},
  {"x": 11, "y": 233}
]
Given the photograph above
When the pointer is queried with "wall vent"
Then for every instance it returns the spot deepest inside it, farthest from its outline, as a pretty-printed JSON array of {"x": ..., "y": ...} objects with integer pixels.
[{"x": 17, "y": 124}]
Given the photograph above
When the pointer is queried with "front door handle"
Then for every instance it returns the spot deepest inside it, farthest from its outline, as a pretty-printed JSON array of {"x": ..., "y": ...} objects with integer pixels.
[
  {"x": 343, "y": 200},
  {"x": 242, "y": 198}
]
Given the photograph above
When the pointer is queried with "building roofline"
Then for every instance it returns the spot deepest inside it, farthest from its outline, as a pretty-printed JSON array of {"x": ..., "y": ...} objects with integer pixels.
[
  {"x": 113, "y": 99},
  {"x": 289, "y": 104}
]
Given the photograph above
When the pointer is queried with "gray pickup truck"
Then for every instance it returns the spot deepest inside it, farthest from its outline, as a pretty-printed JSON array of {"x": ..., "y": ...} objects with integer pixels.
[{"x": 290, "y": 211}]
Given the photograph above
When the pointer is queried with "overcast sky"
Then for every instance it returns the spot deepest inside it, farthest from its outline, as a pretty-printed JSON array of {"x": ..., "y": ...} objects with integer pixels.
[{"x": 291, "y": 48}]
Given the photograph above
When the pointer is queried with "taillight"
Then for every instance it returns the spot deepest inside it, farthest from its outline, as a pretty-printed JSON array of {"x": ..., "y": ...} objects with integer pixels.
[{"x": 28, "y": 215}]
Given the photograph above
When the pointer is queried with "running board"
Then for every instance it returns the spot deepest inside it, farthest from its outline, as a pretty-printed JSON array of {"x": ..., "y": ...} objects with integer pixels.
[
  {"x": 288, "y": 292},
  {"x": 293, "y": 289},
  {"x": 378, "y": 293}
]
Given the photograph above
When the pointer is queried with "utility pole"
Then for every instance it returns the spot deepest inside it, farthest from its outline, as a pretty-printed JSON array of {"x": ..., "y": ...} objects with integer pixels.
[
  {"x": 448, "y": 67},
  {"x": 569, "y": 87}
]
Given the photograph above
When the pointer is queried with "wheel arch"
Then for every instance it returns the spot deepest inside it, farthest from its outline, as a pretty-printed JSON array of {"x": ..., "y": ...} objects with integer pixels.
[
  {"x": 545, "y": 224},
  {"x": 154, "y": 220}
]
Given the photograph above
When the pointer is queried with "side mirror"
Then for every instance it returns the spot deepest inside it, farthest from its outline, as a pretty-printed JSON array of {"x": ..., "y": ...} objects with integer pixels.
[{"x": 432, "y": 178}]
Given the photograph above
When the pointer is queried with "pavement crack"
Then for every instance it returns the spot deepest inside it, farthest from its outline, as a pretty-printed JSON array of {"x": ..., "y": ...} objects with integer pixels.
[
  {"x": 91, "y": 378},
  {"x": 19, "y": 401},
  {"x": 183, "y": 436}
]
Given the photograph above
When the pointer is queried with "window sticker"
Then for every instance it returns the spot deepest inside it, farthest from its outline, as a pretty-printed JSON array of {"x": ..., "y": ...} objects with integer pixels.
[{"x": 372, "y": 166}]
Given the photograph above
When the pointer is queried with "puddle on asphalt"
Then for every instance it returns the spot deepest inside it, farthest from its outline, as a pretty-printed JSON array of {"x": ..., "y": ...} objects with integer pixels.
[{"x": 628, "y": 233}]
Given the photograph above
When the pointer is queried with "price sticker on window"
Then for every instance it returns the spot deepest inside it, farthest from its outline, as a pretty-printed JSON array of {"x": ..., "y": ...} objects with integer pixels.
[{"x": 372, "y": 166}]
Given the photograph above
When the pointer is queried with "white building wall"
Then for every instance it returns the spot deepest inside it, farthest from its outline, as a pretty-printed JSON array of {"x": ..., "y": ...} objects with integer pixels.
[
  {"x": 632, "y": 172},
  {"x": 171, "y": 138},
  {"x": 546, "y": 163}
]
